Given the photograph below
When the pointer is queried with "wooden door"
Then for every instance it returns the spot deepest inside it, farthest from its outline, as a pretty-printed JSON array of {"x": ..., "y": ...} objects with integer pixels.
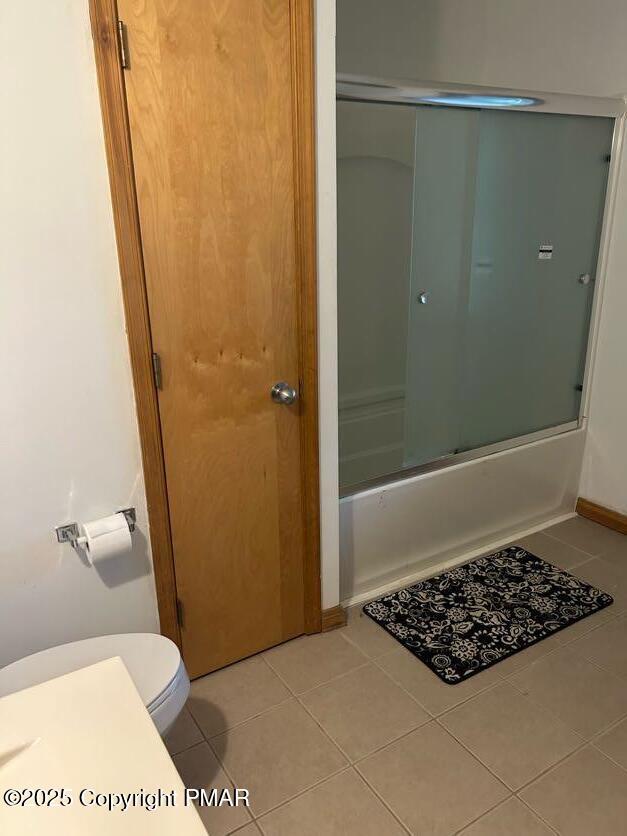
[{"x": 213, "y": 96}]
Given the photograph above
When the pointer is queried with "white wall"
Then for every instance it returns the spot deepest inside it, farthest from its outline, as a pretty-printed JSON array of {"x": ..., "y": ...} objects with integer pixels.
[
  {"x": 327, "y": 300},
  {"x": 565, "y": 46},
  {"x": 604, "y": 478},
  {"x": 68, "y": 432}
]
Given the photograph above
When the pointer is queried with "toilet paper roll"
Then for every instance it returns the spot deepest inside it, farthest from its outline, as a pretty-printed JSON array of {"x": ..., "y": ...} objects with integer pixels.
[{"x": 106, "y": 538}]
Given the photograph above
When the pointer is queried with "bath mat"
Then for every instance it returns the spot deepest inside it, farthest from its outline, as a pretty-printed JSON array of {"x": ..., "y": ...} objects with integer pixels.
[{"x": 471, "y": 617}]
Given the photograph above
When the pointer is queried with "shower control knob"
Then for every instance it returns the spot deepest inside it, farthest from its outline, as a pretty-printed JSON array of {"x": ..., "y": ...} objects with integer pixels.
[
  {"x": 283, "y": 393},
  {"x": 423, "y": 297}
]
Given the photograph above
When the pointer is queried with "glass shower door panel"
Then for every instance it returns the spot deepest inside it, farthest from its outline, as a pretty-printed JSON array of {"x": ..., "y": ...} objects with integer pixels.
[
  {"x": 444, "y": 188},
  {"x": 375, "y": 185},
  {"x": 540, "y": 192}
]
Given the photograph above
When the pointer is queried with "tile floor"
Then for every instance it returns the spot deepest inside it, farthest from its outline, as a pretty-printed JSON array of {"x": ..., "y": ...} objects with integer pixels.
[{"x": 346, "y": 733}]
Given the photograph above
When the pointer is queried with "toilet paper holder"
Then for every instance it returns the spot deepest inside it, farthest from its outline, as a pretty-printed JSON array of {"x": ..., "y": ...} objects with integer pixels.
[{"x": 69, "y": 533}]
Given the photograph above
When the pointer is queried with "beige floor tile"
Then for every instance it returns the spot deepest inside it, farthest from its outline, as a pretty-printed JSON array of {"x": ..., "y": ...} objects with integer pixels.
[
  {"x": 431, "y": 782},
  {"x": 553, "y": 551},
  {"x": 517, "y": 661},
  {"x": 584, "y": 697},
  {"x": 199, "y": 768},
  {"x": 278, "y": 755},
  {"x": 312, "y": 660},
  {"x": 584, "y": 795},
  {"x": 183, "y": 734},
  {"x": 617, "y": 554},
  {"x": 585, "y": 535},
  {"x": 614, "y": 743},
  {"x": 586, "y": 625},
  {"x": 367, "y": 635},
  {"x": 364, "y": 710},
  {"x": 436, "y": 696},
  {"x": 342, "y": 806},
  {"x": 607, "y": 577},
  {"x": 514, "y": 738},
  {"x": 512, "y": 818},
  {"x": 248, "y": 830},
  {"x": 222, "y": 699},
  {"x": 606, "y": 646}
]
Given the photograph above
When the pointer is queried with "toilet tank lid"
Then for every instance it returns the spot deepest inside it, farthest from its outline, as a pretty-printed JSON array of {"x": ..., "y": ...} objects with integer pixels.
[{"x": 152, "y": 661}]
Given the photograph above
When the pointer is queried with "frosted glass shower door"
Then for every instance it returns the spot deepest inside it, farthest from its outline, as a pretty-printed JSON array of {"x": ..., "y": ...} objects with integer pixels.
[
  {"x": 508, "y": 209},
  {"x": 444, "y": 196},
  {"x": 375, "y": 176},
  {"x": 540, "y": 192},
  {"x": 467, "y": 248}
]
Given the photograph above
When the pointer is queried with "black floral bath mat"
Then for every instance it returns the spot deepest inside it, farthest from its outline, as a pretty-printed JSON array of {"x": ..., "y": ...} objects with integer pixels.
[{"x": 469, "y": 618}]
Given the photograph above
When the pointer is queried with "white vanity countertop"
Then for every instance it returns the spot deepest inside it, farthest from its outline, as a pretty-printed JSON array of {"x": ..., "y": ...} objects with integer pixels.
[{"x": 88, "y": 730}]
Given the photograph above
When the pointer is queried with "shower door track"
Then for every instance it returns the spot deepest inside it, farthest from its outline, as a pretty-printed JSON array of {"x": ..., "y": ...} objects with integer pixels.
[{"x": 463, "y": 456}]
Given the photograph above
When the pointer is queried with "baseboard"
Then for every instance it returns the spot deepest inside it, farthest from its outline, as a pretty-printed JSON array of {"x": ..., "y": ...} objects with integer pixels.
[
  {"x": 333, "y": 618},
  {"x": 602, "y": 515}
]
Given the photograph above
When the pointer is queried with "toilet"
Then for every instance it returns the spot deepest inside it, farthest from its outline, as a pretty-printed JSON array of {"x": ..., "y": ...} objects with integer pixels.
[{"x": 153, "y": 662}]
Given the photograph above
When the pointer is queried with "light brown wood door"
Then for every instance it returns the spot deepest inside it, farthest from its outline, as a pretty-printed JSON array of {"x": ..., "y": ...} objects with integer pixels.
[{"x": 211, "y": 103}]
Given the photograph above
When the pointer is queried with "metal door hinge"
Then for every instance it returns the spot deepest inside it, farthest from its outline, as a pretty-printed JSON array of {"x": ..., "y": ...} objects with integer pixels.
[
  {"x": 156, "y": 370},
  {"x": 179, "y": 612},
  {"x": 122, "y": 44}
]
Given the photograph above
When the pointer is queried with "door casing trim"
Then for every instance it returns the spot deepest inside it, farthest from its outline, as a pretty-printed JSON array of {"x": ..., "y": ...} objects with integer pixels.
[{"x": 111, "y": 85}]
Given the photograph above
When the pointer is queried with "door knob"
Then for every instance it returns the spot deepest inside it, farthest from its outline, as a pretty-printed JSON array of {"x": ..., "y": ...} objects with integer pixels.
[
  {"x": 282, "y": 392},
  {"x": 423, "y": 297}
]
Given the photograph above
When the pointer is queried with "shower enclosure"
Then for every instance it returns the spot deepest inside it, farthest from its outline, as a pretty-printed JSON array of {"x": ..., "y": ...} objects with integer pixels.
[{"x": 468, "y": 240}]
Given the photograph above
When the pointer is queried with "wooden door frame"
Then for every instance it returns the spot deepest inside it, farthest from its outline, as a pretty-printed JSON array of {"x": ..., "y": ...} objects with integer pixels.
[{"x": 104, "y": 21}]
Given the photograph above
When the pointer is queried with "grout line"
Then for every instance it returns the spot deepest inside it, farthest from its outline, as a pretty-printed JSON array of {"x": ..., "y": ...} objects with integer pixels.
[
  {"x": 593, "y": 629},
  {"x": 415, "y": 698},
  {"x": 296, "y": 694},
  {"x": 402, "y": 736},
  {"x": 485, "y": 813},
  {"x": 476, "y": 757},
  {"x": 566, "y": 543},
  {"x": 325, "y": 732},
  {"x": 191, "y": 745},
  {"x": 536, "y": 777},
  {"x": 339, "y": 676},
  {"x": 298, "y": 794},
  {"x": 586, "y": 742},
  {"x": 241, "y": 827},
  {"x": 401, "y": 686},
  {"x": 394, "y": 815},
  {"x": 243, "y": 722},
  {"x": 370, "y": 657},
  {"x": 383, "y": 801},
  {"x": 483, "y": 693},
  {"x": 277, "y": 674},
  {"x": 226, "y": 772},
  {"x": 537, "y": 815},
  {"x": 593, "y": 743}
]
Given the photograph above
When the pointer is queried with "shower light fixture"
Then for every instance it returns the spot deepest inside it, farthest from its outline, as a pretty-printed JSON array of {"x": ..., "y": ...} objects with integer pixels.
[{"x": 477, "y": 100}]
